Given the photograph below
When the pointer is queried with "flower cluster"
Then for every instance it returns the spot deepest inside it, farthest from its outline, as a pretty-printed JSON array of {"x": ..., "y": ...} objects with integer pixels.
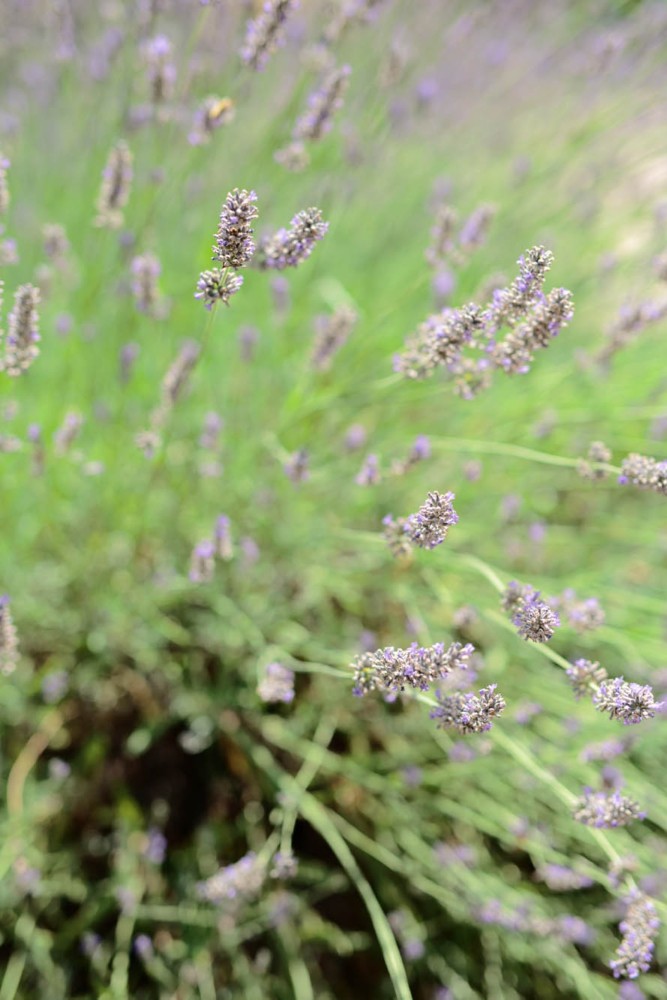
[
  {"x": 639, "y": 928},
  {"x": 393, "y": 670},
  {"x": 631, "y": 703},
  {"x": 277, "y": 684},
  {"x": 534, "y": 619},
  {"x": 533, "y": 319},
  {"x": 592, "y": 467},
  {"x": 316, "y": 120},
  {"x": 469, "y": 713},
  {"x": 204, "y": 554},
  {"x": 644, "y": 472},
  {"x": 290, "y": 247},
  {"x": 265, "y": 32},
  {"x": 115, "y": 189},
  {"x": 242, "y": 880},
  {"x": 217, "y": 285},
  {"x": 606, "y": 811},
  {"x": 426, "y": 529}
]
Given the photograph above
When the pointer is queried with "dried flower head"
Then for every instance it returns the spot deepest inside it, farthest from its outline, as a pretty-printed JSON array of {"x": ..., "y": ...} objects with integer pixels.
[
  {"x": 217, "y": 285},
  {"x": 265, "y": 32},
  {"x": 469, "y": 713},
  {"x": 631, "y": 703},
  {"x": 8, "y": 640},
  {"x": 115, "y": 189},
  {"x": 535, "y": 620},
  {"x": 606, "y": 811},
  {"x": 277, "y": 684},
  {"x": 639, "y": 928},
  {"x": 234, "y": 243},
  {"x": 429, "y": 526},
  {"x": 22, "y": 332}
]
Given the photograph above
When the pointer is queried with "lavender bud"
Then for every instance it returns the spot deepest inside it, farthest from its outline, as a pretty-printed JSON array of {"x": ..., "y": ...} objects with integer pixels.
[
  {"x": 606, "y": 811},
  {"x": 213, "y": 424},
  {"x": 639, "y": 928},
  {"x": 644, "y": 472},
  {"x": 143, "y": 947},
  {"x": 202, "y": 562},
  {"x": 355, "y": 437},
  {"x": 68, "y": 432},
  {"x": 145, "y": 272},
  {"x": 395, "y": 535},
  {"x": 331, "y": 333},
  {"x": 277, "y": 684},
  {"x": 217, "y": 286},
  {"x": 632, "y": 703},
  {"x": 561, "y": 879},
  {"x": 56, "y": 244},
  {"x": 115, "y": 189},
  {"x": 429, "y": 526},
  {"x": 9, "y": 654},
  {"x": 234, "y": 244},
  {"x": 584, "y": 677},
  {"x": 442, "y": 235},
  {"x": 4, "y": 187},
  {"x": 265, "y": 32},
  {"x": 322, "y": 105},
  {"x": 369, "y": 474},
  {"x": 284, "y": 865},
  {"x": 223, "y": 539},
  {"x": 161, "y": 72},
  {"x": 178, "y": 374},
  {"x": 475, "y": 229},
  {"x": 297, "y": 466},
  {"x": 22, "y": 332},
  {"x": 291, "y": 247},
  {"x": 128, "y": 355},
  {"x": 242, "y": 880},
  {"x": 469, "y": 713}
]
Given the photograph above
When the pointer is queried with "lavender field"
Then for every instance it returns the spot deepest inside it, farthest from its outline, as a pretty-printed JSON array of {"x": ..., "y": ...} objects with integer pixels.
[{"x": 333, "y": 424}]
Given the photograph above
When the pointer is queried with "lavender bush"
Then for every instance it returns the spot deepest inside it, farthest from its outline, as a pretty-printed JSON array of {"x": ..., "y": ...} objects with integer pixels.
[{"x": 332, "y": 426}]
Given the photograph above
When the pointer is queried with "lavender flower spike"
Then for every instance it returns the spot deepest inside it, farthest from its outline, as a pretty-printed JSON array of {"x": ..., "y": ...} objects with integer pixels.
[
  {"x": 632, "y": 703},
  {"x": 241, "y": 880},
  {"x": 429, "y": 526},
  {"x": 277, "y": 684},
  {"x": 290, "y": 247},
  {"x": 606, "y": 811},
  {"x": 8, "y": 639},
  {"x": 264, "y": 34},
  {"x": 115, "y": 189},
  {"x": 322, "y": 105},
  {"x": 22, "y": 333},
  {"x": 639, "y": 928},
  {"x": 392, "y": 669},
  {"x": 234, "y": 244}
]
